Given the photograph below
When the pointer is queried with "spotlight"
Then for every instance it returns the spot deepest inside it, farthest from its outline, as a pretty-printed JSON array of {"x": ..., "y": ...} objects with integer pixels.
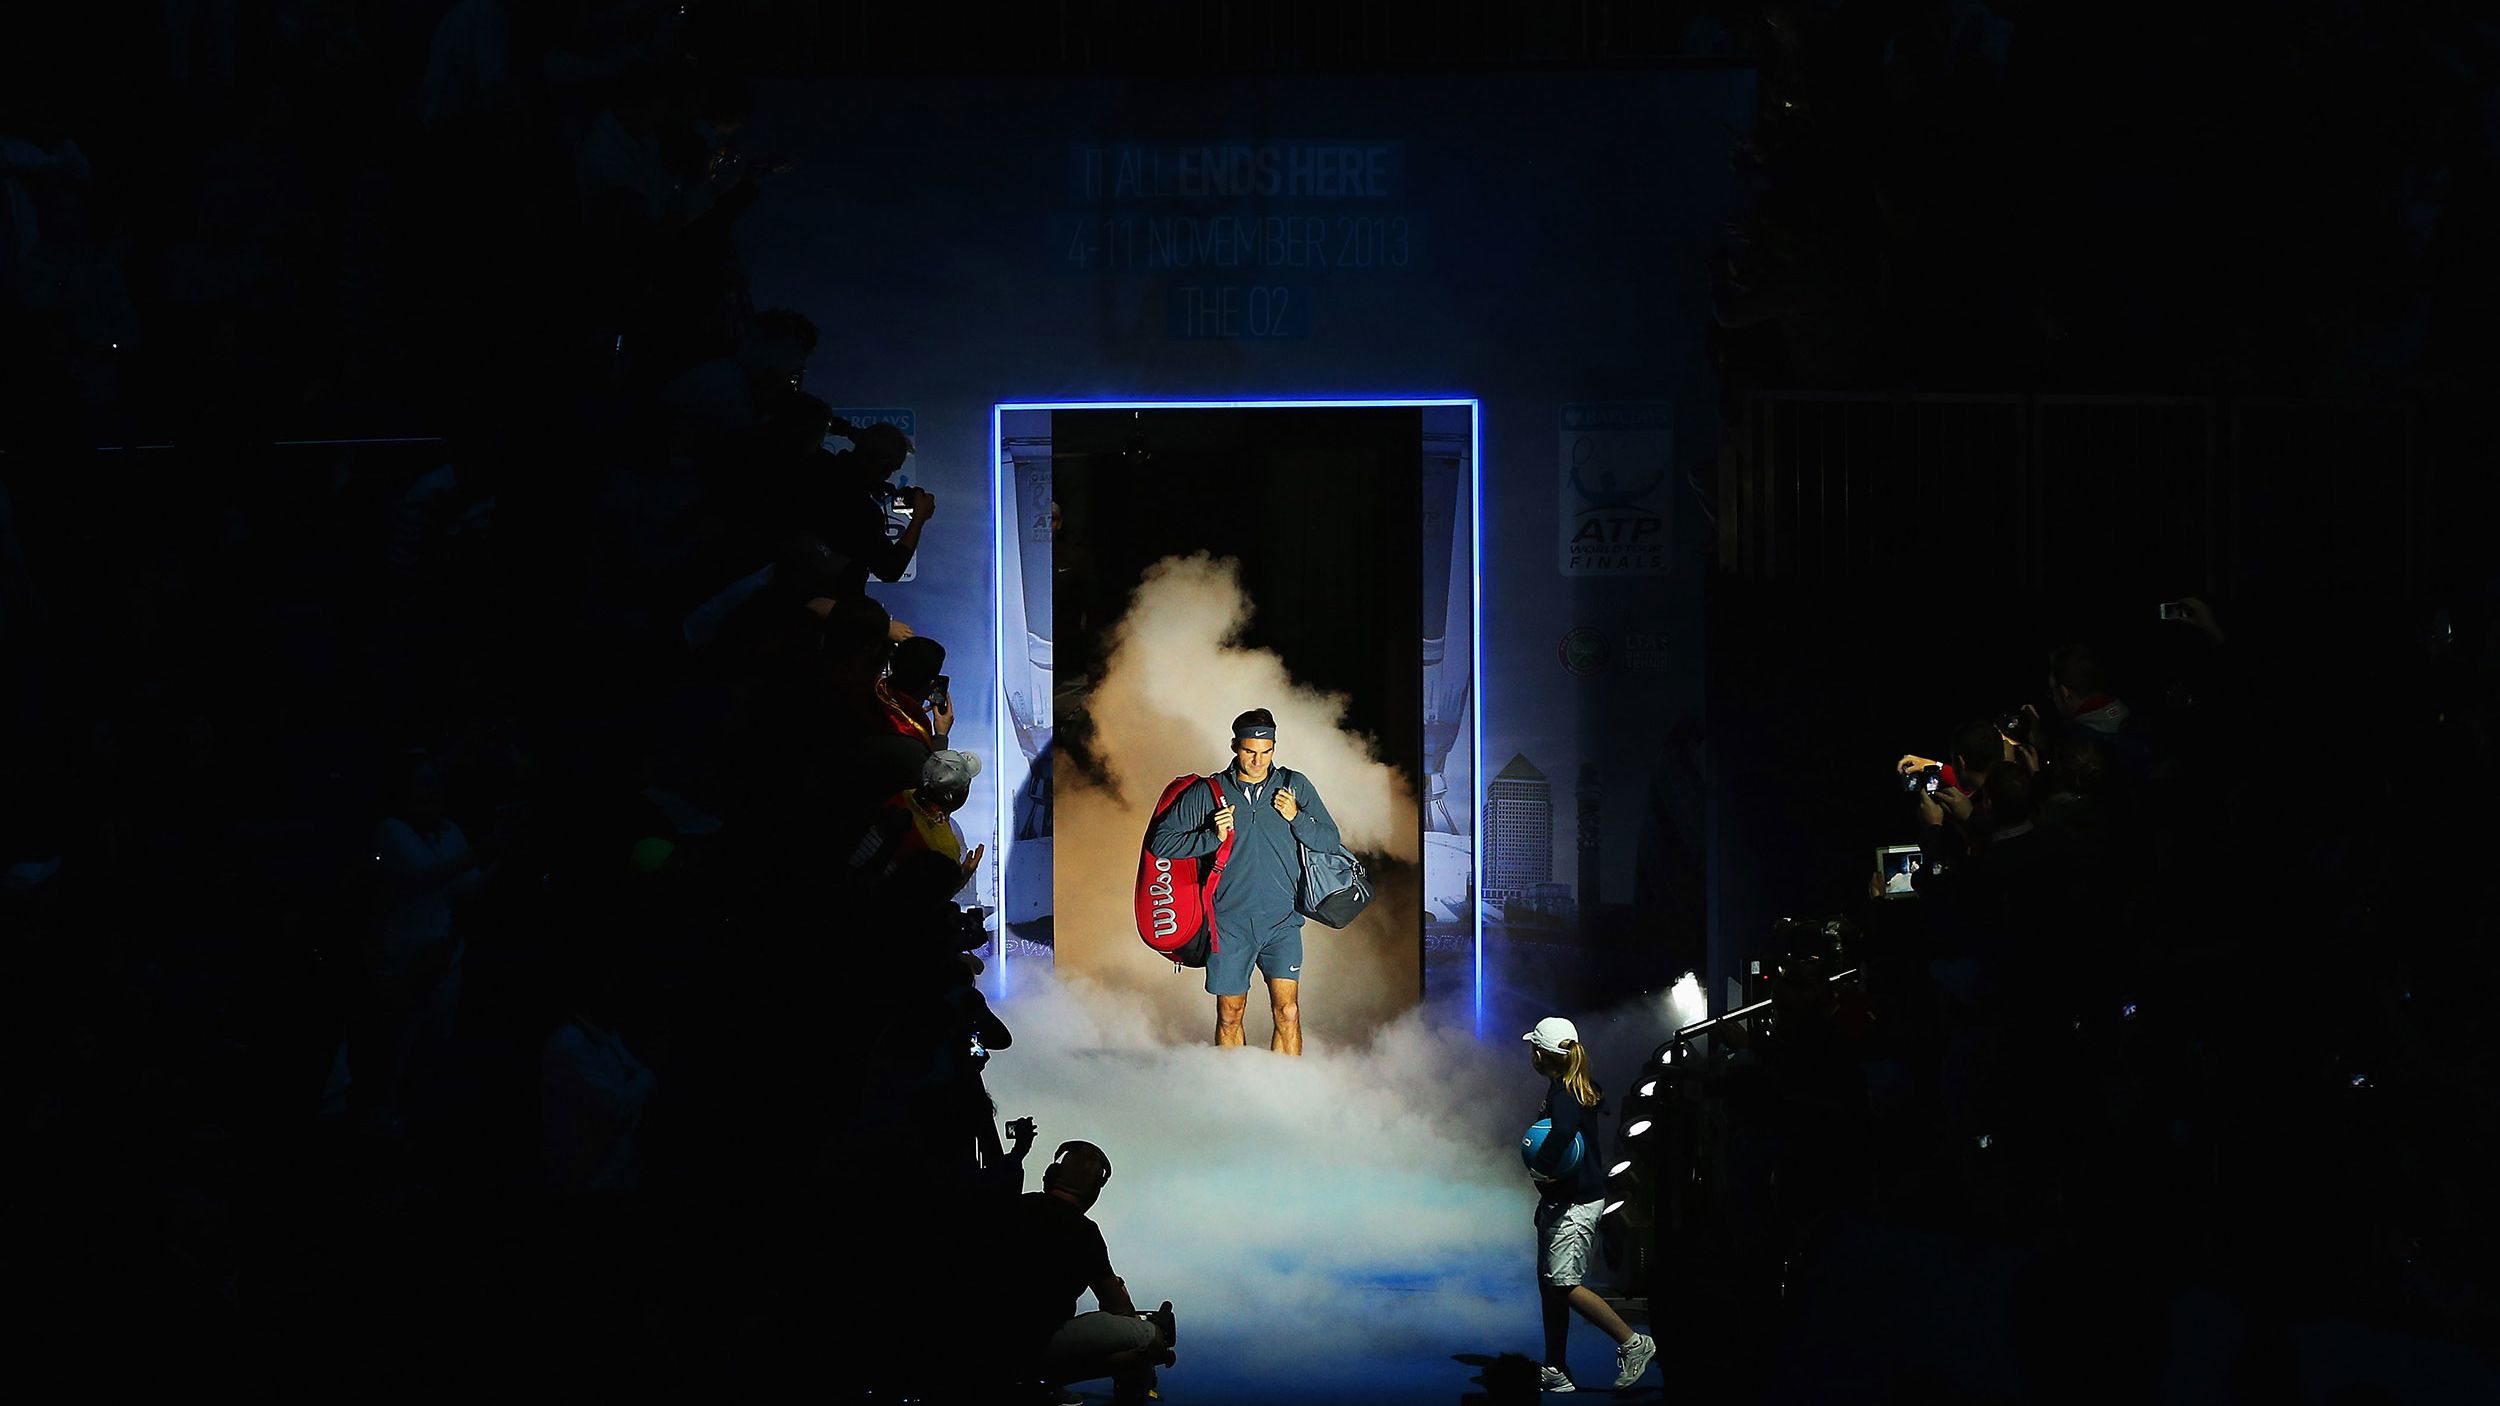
[
  {"x": 1637, "y": 1128},
  {"x": 1619, "y": 1168},
  {"x": 1649, "y": 1088}
]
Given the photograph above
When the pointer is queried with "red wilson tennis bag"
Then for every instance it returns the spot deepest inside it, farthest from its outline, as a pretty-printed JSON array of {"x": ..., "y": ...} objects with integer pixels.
[{"x": 1176, "y": 897}]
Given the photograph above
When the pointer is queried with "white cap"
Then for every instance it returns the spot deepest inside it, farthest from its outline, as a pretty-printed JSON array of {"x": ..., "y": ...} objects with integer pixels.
[
  {"x": 1552, "y": 1033},
  {"x": 950, "y": 769}
]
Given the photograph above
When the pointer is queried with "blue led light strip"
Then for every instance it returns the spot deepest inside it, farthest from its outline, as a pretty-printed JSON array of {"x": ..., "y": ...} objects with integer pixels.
[
  {"x": 1476, "y": 678},
  {"x": 1000, "y": 487}
]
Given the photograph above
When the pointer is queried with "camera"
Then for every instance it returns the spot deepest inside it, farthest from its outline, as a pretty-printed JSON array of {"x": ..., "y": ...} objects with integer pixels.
[
  {"x": 2015, "y": 725},
  {"x": 968, "y": 930},
  {"x": 1924, "y": 779}
]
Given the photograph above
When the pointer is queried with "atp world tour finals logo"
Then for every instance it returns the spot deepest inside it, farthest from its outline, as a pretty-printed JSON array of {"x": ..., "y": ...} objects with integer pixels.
[{"x": 1618, "y": 476}]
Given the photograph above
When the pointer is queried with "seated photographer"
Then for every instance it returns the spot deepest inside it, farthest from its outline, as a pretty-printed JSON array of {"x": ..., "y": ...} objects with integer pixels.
[{"x": 1047, "y": 1252}]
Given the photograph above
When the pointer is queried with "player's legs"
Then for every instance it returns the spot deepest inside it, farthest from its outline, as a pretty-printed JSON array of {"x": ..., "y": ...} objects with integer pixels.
[
  {"x": 1282, "y": 1003},
  {"x": 1228, "y": 1012}
]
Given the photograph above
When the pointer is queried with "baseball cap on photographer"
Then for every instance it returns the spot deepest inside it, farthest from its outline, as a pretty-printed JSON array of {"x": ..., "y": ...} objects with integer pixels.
[{"x": 1552, "y": 1033}]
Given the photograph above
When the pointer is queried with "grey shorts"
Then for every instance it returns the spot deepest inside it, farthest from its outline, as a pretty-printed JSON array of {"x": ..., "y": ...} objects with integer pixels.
[
  {"x": 1077, "y": 1349},
  {"x": 1278, "y": 958},
  {"x": 1564, "y": 1233}
]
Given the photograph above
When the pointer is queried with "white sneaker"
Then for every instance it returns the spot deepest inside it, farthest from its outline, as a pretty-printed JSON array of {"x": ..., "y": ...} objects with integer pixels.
[
  {"x": 1632, "y": 1359},
  {"x": 1554, "y": 1379}
]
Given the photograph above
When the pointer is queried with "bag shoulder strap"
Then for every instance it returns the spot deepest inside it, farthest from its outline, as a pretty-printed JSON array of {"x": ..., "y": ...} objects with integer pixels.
[
  {"x": 1224, "y": 851},
  {"x": 1286, "y": 777}
]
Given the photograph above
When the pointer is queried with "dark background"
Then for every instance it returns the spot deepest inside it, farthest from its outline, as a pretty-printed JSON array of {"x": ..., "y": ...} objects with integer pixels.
[{"x": 1317, "y": 505}]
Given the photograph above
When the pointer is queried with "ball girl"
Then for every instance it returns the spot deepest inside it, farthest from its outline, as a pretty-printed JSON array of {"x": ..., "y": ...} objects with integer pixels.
[{"x": 1568, "y": 1168}]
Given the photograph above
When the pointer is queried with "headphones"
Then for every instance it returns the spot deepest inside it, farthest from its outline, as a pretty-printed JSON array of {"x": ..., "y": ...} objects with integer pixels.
[{"x": 1060, "y": 1157}]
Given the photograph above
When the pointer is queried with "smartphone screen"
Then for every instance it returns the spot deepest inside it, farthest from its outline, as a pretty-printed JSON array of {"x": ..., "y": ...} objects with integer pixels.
[{"x": 2173, "y": 610}]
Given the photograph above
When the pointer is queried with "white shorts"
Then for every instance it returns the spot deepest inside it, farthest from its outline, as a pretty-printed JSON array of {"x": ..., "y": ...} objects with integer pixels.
[{"x": 1563, "y": 1235}]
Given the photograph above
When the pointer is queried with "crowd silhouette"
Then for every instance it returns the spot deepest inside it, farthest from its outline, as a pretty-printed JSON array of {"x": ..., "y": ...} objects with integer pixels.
[
  {"x": 2171, "y": 1007},
  {"x": 431, "y": 840}
]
